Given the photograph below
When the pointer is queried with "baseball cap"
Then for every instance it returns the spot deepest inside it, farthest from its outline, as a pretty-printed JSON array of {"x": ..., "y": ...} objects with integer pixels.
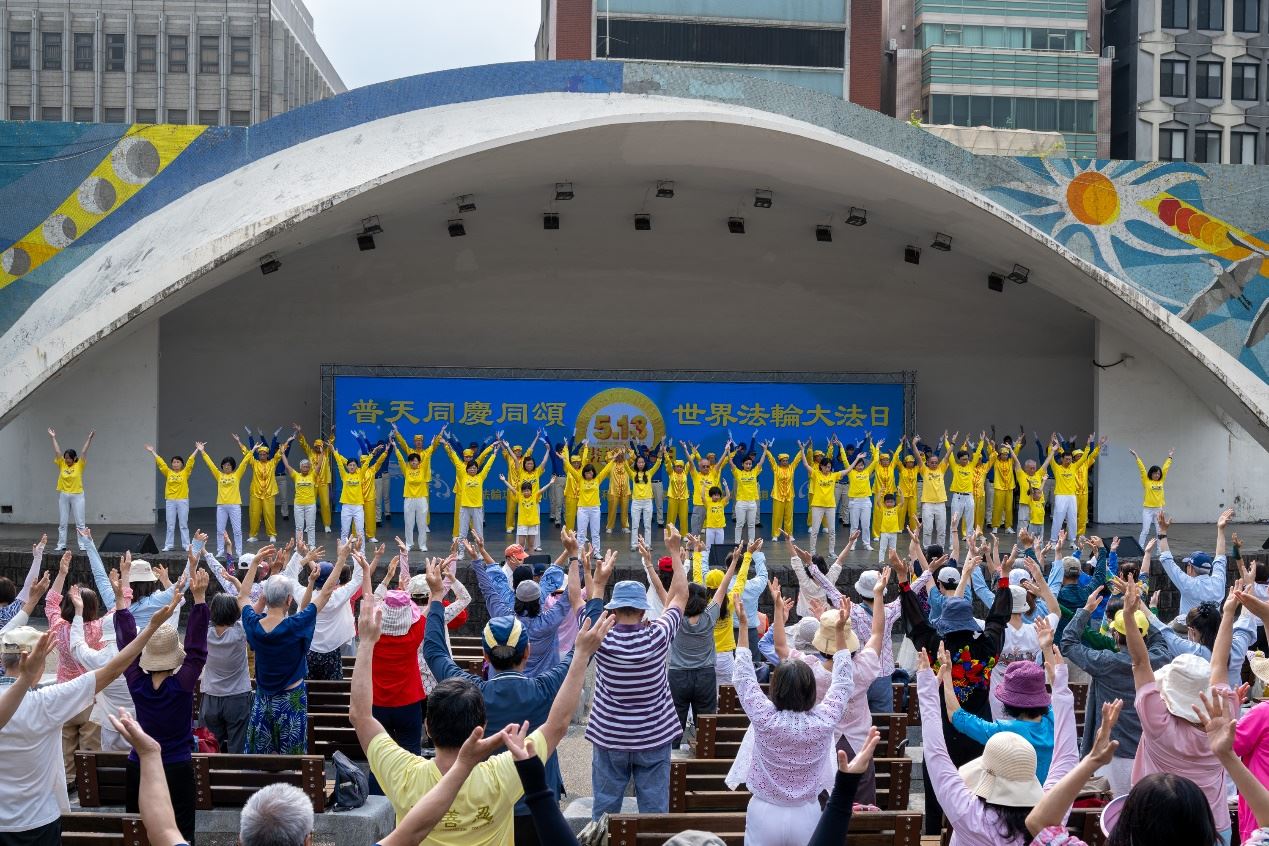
[
  {"x": 666, "y": 564},
  {"x": 21, "y": 639},
  {"x": 1199, "y": 561},
  {"x": 528, "y": 591},
  {"x": 505, "y": 631},
  {"x": 949, "y": 576},
  {"x": 514, "y": 553}
]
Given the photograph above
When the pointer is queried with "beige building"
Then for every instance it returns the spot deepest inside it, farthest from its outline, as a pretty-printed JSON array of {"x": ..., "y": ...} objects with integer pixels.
[{"x": 215, "y": 62}]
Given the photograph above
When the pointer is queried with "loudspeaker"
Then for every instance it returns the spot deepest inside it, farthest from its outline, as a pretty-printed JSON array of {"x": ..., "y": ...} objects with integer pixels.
[
  {"x": 1129, "y": 548},
  {"x": 134, "y": 542},
  {"x": 539, "y": 558},
  {"x": 718, "y": 554},
  {"x": 1265, "y": 545}
]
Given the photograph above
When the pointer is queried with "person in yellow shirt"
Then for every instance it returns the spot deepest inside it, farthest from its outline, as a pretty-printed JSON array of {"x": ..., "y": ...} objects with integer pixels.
[
  {"x": 890, "y": 522},
  {"x": 460, "y": 470},
  {"x": 317, "y": 457},
  {"x": 469, "y": 492},
  {"x": 1002, "y": 485},
  {"x": 642, "y": 478},
  {"x": 70, "y": 488},
  {"x": 304, "y": 481},
  {"x": 228, "y": 478},
  {"x": 619, "y": 494},
  {"x": 1035, "y": 507},
  {"x": 677, "y": 494},
  {"x": 705, "y": 474},
  {"x": 1152, "y": 498},
  {"x": 908, "y": 475},
  {"x": 859, "y": 493},
  {"x": 369, "y": 471},
  {"x": 528, "y": 513},
  {"x": 1029, "y": 477},
  {"x": 823, "y": 487},
  {"x": 1081, "y": 485},
  {"x": 933, "y": 495},
  {"x": 263, "y": 493},
  {"x": 352, "y": 508},
  {"x": 884, "y": 483},
  {"x": 716, "y": 516},
  {"x": 521, "y": 467},
  {"x": 782, "y": 493},
  {"x": 588, "y": 482},
  {"x": 1066, "y": 475},
  {"x": 175, "y": 495},
  {"x": 416, "y": 470},
  {"x": 513, "y": 455},
  {"x": 571, "y": 489},
  {"x": 962, "y": 487},
  {"x": 746, "y": 508}
]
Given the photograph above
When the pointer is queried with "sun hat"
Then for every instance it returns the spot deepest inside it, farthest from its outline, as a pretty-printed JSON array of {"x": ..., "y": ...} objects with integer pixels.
[
  {"x": 1019, "y": 594},
  {"x": 140, "y": 571},
  {"x": 665, "y": 564},
  {"x": 19, "y": 640},
  {"x": 1110, "y": 813},
  {"x": 324, "y": 570},
  {"x": 866, "y": 582},
  {"x": 1259, "y": 665},
  {"x": 399, "y": 613},
  {"x": 1118, "y": 624},
  {"x": 163, "y": 652},
  {"x": 1005, "y": 774},
  {"x": 1017, "y": 575},
  {"x": 803, "y": 634},
  {"x": 1181, "y": 682},
  {"x": 528, "y": 591},
  {"x": 505, "y": 631},
  {"x": 628, "y": 594},
  {"x": 957, "y": 616},
  {"x": 691, "y": 837},
  {"x": 419, "y": 586},
  {"x": 1023, "y": 686},
  {"x": 949, "y": 576},
  {"x": 825, "y": 639},
  {"x": 1199, "y": 561},
  {"x": 514, "y": 553}
]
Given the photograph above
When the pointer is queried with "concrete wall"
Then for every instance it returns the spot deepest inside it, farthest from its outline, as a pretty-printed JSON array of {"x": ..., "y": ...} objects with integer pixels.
[
  {"x": 115, "y": 393},
  {"x": 1143, "y": 405}
]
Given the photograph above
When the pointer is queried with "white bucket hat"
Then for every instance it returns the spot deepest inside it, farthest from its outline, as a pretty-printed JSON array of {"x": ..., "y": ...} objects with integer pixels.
[
  {"x": 825, "y": 639},
  {"x": 163, "y": 652},
  {"x": 418, "y": 585},
  {"x": 1005, "y": 774},
  {"x": 865, "y": 583},
  {"x": 141, "y": 571},
  {"x": 20, "y": 640},
  {"x": 1019, "y": 594},
  {"x": 1181, "y": 682}
]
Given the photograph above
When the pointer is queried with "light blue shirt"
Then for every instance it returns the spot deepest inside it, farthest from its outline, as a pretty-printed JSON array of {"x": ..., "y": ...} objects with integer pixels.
[
  {"x": 755, "y": 586},
  {"x": 1196, "y": 590},
  {"x": 143, "y": 609}
]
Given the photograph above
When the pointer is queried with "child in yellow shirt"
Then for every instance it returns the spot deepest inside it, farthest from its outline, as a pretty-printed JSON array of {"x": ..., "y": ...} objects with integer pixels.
[
  {"x": 889, "y": 525},
  {"x": 528, "y": 512},
  {"x": 716, "y": 516}
]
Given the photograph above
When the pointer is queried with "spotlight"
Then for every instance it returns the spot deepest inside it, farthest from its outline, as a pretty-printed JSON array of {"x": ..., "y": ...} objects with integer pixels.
[
  {"x": 369, "y": 229},
  {"x": 550, "y": 220},
  {"x": 665, "y": 189},
  {"x": 269, "y": 264},
  {"x": 762, "y": 199},
  {"x": 466, "y": 203},
  {"x": 996, "y": 282},
  {"x": 456, "y": 228},
  {"x": 563, "y": 191},
  {"x": 942, "y": 243},
  {"x": 736, "y": 225},
  {"x": 911, "y": 254},
  {"x": 857, "y": 216},
  {"x": 643, "y": 222},
  {"x": 823, "y": 233},
  {"x": 365, "y": 241},
  {"x": 1019, "y": 274}
]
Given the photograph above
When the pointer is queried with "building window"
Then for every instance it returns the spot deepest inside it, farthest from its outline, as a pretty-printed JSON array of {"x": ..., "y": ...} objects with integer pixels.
[
  {"x": 729, "y": 44},
  {"x": 116, "y": 52},
  {"x": 1211, "y": 14},
  {"x": 178, "y": 54},
  {"x": 1207, "y": 146},
  {"x": 1246, "y": 82},
  {"x": 20, "y": 54},
  {"x": 147, "y": 53},
  {"x": 240, "y": 117},
  {"x": 146, "y": 116},
  {"x": 177, "y": 116},
  {"x": 1246, "y": 15},
  {"x": 1242, "y": 148},
  {"x": 51, "y": 51},
  {"x": 240, "y": 54},
  {"x": 115, "y": 115},
  {"x": 1172, "y": 78},
  {"x": 209, "y": 117},
  {"x": 19, "y": 113},
  {"x": 51, "y": 113},
  {"x": 83, "y": 51},
  {"x": 1176, "y": 14},
  {"x": 1208, "y": 81},
  {"x": 1171, "y": 145},
  {"x": 82, "y": 114},
  {"x": 951, "y": 35},
  {"x": 209, "y": 54}
]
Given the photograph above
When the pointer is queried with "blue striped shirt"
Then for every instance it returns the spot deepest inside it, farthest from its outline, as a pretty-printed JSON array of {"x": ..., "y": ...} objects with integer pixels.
[{"x": 632, "y": 707}]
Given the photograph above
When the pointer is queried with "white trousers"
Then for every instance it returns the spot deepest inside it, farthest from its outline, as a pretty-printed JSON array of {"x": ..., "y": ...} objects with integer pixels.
[
  {"x": 933, "y": 522},
  {"x": 860, "y": 509},
  {"x": 962, "y": 508},
  {"x": 177, "y": 513},
  {"x": 713, "y": 536},
  {"x": 1064, "y": 511},
  {"x": 658, "y": 497},
  {"x": 780, "y": 825},
  {"x": 746, "y": 519},
  {"x": 306, "y": 524},
  {"x": 588, "y": 526},
  {"x": 824, "y": 517},
  {"x": 641, "y": 514},
  {"x": 1119, "y": 773},
  {"x": 284, "y": 494},
  {"x": 69, "y": 505},
  {"x": 231, "y": 515},
  {"x": 889, "y": 541},
  {"x": 470, "y": 520},
  {"x": 352, "y": 517},
  {"x": 556, "y": 494},
  {"x": 383, "y": 496},
  {"x": 415, "y": 518},
  {"x": 1148, "y": 516},
  {"x": 724, "y": 662},
  {"x": 1024, "y": 515}
]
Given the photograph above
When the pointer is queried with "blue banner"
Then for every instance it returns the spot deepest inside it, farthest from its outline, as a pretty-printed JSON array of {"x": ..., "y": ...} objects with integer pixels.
[{"x": 611, "y": 413}]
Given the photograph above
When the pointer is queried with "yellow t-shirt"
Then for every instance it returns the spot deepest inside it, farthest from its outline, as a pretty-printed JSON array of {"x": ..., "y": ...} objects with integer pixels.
[
  {"x": 1037, "y": 510},
  {"x": 588, "y": 489},
  {"x": 471, "y": 488},
  {"x": 529, "y": 512},
  {"x": 1026, "y": 481},
  {"x": 416, "y": 480},
  {"x": 716, "y": 514},
  {"x": 1065, "y": 479},
  {"x": 176, "y": 482},
  {"x": 702, "y": 482},
  {"x": 822, "y": 485},
  {"x": 858, "y": 484},
  {"x": 228, "y": 485},
  {"x": 642, "y": 483},
  {"x": 305, "y": 487},
  {"x": 908, "y": 480},
  {"x": 70, "y": 478},
  {"x": 483, "y": 813},
  {"x": 1152, "y": 496},
  {"x": 889, "y": 519},
  {"x": 933, "y": 483},
  {"x": 350, "y": 493},
  {"x": 746, "y": 483}
]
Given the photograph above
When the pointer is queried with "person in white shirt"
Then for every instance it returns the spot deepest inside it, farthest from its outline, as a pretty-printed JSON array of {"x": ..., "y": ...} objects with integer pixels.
[
  {"x": 116, "y": 694},
  {"x": 334, "y": 621}
]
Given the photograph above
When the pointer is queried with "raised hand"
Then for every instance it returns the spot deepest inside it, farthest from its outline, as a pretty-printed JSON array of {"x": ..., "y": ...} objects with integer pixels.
[
  {"x": 1103, "y": 747},
  {"x": 31, "y": 665},
  {"x": 1093, "y": 599},
  {"x": 858, "y": 764}
]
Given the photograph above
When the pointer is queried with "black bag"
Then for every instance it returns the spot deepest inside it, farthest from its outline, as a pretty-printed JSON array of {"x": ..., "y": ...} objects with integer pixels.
[{"x": 351, "y": 784}]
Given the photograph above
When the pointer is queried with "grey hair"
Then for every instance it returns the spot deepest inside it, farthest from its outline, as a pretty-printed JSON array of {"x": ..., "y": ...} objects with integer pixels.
[
  {"x": 276, "y": 815},
  {"x": 278, "y": 590},
  {"x": 11, "y": 660}
]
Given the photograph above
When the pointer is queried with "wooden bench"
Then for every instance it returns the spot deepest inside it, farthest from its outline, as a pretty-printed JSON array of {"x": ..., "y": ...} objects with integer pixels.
[
  {"x": 912, "y": 707},
  {"x": 330, "y": 732},
  {"x": 220, "y": 781},
  {"x": 698, "y": 784},
  {"x": 88, "y": 829},
  {"x": 877, "y": 828},
  {"x": 720, "y": 735}
]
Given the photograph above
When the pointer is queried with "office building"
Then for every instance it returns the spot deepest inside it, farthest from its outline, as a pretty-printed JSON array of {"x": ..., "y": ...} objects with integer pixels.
[{"x": 228, "y": 62}]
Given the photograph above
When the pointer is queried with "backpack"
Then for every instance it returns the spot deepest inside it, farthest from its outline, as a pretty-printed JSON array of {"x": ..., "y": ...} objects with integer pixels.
[{"x": 351, "y": 784}]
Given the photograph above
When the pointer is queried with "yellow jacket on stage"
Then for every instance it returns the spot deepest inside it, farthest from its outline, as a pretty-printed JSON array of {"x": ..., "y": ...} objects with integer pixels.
[
  {"x": 782, "y": 481},
  {"x": 322, "y": 471},
  {"x": 264, "y": 483},
  {"x": 1002, "y": 478}
]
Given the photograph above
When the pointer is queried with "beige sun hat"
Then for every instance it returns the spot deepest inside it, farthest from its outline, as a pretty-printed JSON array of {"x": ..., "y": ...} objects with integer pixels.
[
  {"x": 1181, "y": 682},
  {"x": 1005, "y": 774},
  {"x": 825, "y": 639},
  {"x": 141, "y": 571},
  {"x": 1259, "y": 665},
  {"x": 20, "y": 640},
  {"x": 163, "y": 652}
]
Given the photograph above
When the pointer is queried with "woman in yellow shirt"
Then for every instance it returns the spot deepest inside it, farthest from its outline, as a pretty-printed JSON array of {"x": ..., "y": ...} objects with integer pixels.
[
  {"x": 1002, "y": 485},
  {"x": 317, "y": 455},
  {"x": 1152, "y": 498},
  {"x": 228, "y": 497},
  {"x": 859, "y": 495},
  {"x": 469, "y": 492},
  {"x": 678, "y": 496},
  {"x": 352, "y": 509},
  {"x": 823, "y": 508},
  {"x": 705, "y": 474},
  {"x": 933, "y": 496},
  {"x": 641, "y": 479},
  {"x": 416, "y": 470},
  {"x": 528, "y": 512},
  {"x": 521, "y": 467},
  {"x": 369, "y": 490},
  {"x": 304, "y": 481},
  {"x": 782, "y": 470},
  {"x": 587, "y": 482},
  {"x": 264, "y": 488},
  {"x": 175, "y": 495},
  {"x": 70, "y": 488},
  {"x": 746, "y": 507},
  {"x": 619, "y": 495}
]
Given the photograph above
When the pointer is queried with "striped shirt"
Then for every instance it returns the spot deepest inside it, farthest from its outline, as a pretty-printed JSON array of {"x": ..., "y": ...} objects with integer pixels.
[{"x": 632, "y": 707}]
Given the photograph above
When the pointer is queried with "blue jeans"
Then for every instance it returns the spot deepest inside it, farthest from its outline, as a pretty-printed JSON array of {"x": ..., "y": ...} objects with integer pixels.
[{"x": 612, "y": 769}]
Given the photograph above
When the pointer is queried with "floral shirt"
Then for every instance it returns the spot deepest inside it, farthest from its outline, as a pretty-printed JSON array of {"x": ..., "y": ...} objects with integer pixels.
[{"x": 969, "y": 674}]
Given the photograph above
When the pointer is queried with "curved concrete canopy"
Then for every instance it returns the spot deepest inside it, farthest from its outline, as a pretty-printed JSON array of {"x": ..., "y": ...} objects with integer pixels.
[{"x": 316, "y": 191}]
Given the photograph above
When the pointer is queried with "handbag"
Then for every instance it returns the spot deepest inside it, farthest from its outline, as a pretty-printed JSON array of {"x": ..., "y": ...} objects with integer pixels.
[{"x": 351, "y": 784}]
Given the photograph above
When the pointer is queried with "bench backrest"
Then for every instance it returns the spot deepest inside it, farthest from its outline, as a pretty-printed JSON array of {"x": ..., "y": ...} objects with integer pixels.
[
  {"x": 88, "y": 829},
  {"x": 699, "y": 784},
  {"x": 331, "y": 732},
  {"x": 720, "y": 735},
  {"x": 877, "y": 828}
]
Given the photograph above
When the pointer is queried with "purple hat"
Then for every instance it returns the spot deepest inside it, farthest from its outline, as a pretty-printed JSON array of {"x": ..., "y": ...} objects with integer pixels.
[{"x": 1023, "y": 686}]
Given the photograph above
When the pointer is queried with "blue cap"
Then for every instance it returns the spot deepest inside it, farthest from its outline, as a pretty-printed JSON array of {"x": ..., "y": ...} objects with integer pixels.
[
  {"x": 539, "y": 568},
  {"x": 323, "y": 573},
  {"x": 505, "y": 631},
  {"x": 957, "y": 616},
  {"x": 628, "y": 595},
  {"x": 1199, "y": 561}
]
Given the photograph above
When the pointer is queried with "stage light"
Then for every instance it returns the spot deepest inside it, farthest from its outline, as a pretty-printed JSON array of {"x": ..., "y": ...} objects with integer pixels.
[
  {"x": 911, "y": 254},
  {"x": 550, "y": 220},
  {"x": 466, "y": 203},
  {"x": 456, "y": 228},
  {"x": 369, "y": 229},
  {"x": 365, "y": 242},
  {"x": 823, "y": 233},
  {"x": 1020, "y": 274},
  {"x": 643, "y": 222},
  {"x": 996, "y": 282},
  {"x": 665, "y": 189},
  {"x": 942, "y": 243},
  {"x": 762, "y": 198},
  {"x": 857, "y": 216},
  {"x": 269, "y": 264},
  {"x": 563, "y": 191},
  {"x": 736, "y": 225}
]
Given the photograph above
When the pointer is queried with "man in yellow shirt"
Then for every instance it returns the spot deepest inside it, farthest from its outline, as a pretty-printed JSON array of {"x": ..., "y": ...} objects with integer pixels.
[
  {"x": 70, "y": 488},
  {"x": 1066, "y": 476},
  {"x": 884, "y": 483},
  {"x": 416, "y": 469},
  {"x": 908, "y": 473},
  {"x": 317, "y": 456},
  {"x": 571, "y": 489},
  {"x": 264, "y": 488},
  {"x": 304, "y": 480},
  {"x": 619, "y": 494},
  {"x": 175, "y": 495},
  {"x": 962, "y": 487},
  {"x": 823, "y": 487},
  {"x": 678, "y": 494},
  {"x": 933, "y": 495},
  {"x": 1152, "y": 498},
  {"x": 705, "y": 475},
  {"x": 1081, "y": 485},
  {"x": 782, "y": 495},
  {"x": 1029, "y": 477}
]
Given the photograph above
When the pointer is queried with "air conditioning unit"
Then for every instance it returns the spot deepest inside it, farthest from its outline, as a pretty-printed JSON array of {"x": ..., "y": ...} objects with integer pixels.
[
  {"x": 893, "y": 45},
  {"x": 1108, "y": 52}
]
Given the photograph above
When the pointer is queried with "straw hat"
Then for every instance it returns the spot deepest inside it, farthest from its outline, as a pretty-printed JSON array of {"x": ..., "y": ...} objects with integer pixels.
[
  {"x": 1181, "y": 682},
  {"x": 825, "y": 639},
  {"x": 399, "y": 613},
  {"x": 1259, "y": 665},
  {"x": 141, "y": 571},
  {"x": 19, "y": 640},
  {"x": 163, "y": 652},
  {"x": 1005, "y": 774}
]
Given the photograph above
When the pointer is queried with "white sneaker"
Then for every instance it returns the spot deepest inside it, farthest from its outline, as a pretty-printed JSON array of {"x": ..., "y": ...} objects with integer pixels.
[
  {"x": 166, "y": 549},
  {"x": 868, "y": 547},
  {"x": 251, "y": 539},
  {"x": 59, "y": 549},
  {"x": 423, "y": 548},
  {"x": 1009, "y": 531},
  {"x": 328, "y": 530},
  {"x": 273, "y": 539},
  {"x": 510, "y": 530},
  {"x": 609, "y": 531},
  {"x": 625, "y": 531},
  {"x": 374, "y": 540},
  {"x": 537, "y": 549}
]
